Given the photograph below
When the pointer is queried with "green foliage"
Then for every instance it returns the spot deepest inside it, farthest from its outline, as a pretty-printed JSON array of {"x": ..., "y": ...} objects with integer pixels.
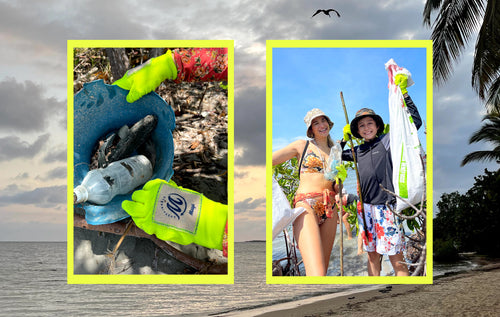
[
  {"x": 412, "y": 224},
  {"x": 352, "y": 219},
  {"x": 286, "y": 174},
  {"x": 445, "y": 251},
  {"x": 472, "y": 220},
  {"x": 455, "y": 25},
  {"x": 490, "y": 133}
]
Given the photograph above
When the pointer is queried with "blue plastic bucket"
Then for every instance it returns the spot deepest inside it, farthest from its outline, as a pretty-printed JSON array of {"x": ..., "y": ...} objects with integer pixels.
[{"x": 100, "y": 109}]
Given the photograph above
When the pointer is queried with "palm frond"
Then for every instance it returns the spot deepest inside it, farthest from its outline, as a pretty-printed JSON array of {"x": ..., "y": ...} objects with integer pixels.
[
  {"x": 482, "y": 156},
  {"x": 454, "y": 25},
  {"x": 489, "y": 132},
  {"x": 487, "y": 55},
  {"x": 493, "y": 102},
  {"x": 430, "y": 6}
]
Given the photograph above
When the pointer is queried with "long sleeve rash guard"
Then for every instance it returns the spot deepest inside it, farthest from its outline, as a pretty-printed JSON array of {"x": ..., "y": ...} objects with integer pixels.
[{"x": 375, "y": 163}]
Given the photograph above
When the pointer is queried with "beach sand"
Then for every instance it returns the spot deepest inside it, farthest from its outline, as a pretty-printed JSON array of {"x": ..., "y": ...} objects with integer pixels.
[{"x": 468, "y": 293}]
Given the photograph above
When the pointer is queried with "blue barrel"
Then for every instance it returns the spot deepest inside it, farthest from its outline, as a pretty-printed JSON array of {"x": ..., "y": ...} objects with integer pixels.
[{"x": 101, "y": 109}]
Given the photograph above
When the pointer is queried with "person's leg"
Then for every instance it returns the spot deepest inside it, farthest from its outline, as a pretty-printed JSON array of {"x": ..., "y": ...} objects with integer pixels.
[
  {"x": 360, "y": 244},
  {"x": 400, "y": 269},
  {"x": 347, "y": 226},
  {"x": 307, "y": 233},
  {"x": 392, "y": 241},
  {"x": 368, "y": 239},
  {"x": 327, "y": 232},
  {"x": 373, "y": 264}
]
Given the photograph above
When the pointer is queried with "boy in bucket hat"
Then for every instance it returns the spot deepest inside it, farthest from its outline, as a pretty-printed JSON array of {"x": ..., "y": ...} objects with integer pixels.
[
  {"x": 315, "y": 228},
  {"x": 384, "y": 234}
]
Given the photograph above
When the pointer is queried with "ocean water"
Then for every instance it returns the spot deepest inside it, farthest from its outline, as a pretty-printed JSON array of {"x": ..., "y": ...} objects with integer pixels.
[{"x": 33, "y": 283}]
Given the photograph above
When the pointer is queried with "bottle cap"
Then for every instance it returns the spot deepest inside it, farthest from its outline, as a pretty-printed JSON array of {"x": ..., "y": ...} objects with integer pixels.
[{"x": 80, "y": 194}]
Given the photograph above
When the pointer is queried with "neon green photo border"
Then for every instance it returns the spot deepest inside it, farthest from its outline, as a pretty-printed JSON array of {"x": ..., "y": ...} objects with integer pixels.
[
  {"x": 150, "y": 279},
  {"x": 427, "y": 44}
]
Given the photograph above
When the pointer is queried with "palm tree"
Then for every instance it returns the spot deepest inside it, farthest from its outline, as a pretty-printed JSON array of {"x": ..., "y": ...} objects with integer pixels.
[
  {"x": 456, "y": 22},
  {"x": 489, "y": 132}
]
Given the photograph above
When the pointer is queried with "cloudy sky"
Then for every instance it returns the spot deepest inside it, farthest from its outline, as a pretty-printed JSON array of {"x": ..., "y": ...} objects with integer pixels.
[{"x": 33, "y": 90}]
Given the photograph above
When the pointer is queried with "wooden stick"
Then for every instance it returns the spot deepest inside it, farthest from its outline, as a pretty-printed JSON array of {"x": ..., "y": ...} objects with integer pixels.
[
  {"x": 351, "y": 145},
  {"x": 119, "y": 228},
  {"x": 341, "y": 230}
]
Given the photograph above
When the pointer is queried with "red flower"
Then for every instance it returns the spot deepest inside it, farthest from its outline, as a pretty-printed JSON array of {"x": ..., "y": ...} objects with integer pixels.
[
  {"x": 365, "y": 238},
  {"x": 379, "y": 230}
]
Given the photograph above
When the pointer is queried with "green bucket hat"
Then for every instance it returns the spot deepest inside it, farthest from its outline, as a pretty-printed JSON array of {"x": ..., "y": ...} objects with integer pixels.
[{"x": 366, "y": 112}]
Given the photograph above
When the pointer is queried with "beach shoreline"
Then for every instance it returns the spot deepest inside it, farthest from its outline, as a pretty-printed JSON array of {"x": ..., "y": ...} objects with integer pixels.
[{"x": 464, "y": 292}]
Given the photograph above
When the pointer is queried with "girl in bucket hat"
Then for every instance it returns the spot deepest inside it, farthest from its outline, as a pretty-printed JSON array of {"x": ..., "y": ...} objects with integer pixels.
[
  {"x": 314, "y": 229},
  {"x": 384, "y": 234}
]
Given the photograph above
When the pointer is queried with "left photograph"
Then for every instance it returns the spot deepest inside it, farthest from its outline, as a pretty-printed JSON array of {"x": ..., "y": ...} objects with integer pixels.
[{"x": 150, "y": 169}]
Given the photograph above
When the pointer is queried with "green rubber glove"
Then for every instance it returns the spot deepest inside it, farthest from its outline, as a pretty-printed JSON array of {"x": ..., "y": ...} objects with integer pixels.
[
  {"x": 144, "y": 78},
  {"x": 177, "y": 214},
  {"x": 386, "y": 128},
  {"x": 402, "y": 81},
  {"x": 347, "y": 132}
]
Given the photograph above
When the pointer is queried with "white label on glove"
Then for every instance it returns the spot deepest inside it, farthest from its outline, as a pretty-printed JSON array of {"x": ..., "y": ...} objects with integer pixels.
[{"x": 178, "y": 208}]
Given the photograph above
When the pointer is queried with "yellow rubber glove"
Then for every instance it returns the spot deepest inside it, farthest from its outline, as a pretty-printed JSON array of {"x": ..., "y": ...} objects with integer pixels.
[
  {"x": 386, "y": 128},
  {"x": 177, "y": 214},
  {"x": 347, "y": 132},
  {"x": 402, "y": 81},
  {"x": 144, "y": 78}
]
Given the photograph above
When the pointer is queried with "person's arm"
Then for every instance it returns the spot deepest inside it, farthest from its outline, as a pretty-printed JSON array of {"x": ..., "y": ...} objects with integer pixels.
[
  {"x": 413, "y": 111},
  {"x": 201, "y": 64},
  {"x": 179, "y": 65},
  {"x": 288, "y": 152},
  {"x": 346, "y": 154},
  {"x": 401, "y": 80}
]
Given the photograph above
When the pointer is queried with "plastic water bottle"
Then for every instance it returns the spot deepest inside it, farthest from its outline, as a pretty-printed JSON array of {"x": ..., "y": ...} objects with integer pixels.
[{"x": 100, "y": 185}]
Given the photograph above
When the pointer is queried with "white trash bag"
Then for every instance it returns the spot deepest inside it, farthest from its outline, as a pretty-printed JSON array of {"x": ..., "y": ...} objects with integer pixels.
[
  {"x": 406, "y": 151},
  {"x": 283, "y": 214}
]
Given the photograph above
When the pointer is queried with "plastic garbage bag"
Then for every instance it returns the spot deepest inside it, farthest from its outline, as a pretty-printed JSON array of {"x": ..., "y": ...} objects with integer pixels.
[
  {"x": 406, "y": 151},
  {"x": 283, "y": 214},
  {"x": 334, "y": 159}
]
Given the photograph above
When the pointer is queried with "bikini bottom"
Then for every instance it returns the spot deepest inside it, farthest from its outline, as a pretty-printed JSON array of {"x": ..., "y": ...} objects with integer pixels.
[{"x": 320, "y": 203}]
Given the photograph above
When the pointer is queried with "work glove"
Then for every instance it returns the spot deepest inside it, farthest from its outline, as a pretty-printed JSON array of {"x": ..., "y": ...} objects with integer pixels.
[
  {"x": 176, "y": 214},
  {"x": 402, "y": 81},
  {"x": 144, "y": 78},
  {"x": 386, "y": 128},
  {"x": 347, "y": 132}
]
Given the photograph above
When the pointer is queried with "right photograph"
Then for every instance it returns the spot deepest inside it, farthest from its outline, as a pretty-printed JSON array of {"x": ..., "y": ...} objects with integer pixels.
[{"x": 349, "y": 185}]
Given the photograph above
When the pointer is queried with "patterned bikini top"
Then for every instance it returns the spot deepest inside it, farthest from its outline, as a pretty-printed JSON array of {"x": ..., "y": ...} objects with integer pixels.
[{"x": 310, "y": 161}]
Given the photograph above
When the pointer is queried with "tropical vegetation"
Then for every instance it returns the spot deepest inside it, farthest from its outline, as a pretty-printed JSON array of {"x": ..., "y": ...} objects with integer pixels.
[
  {"x": 469, "y": 222},
  {"x": 456, "y": 23}
]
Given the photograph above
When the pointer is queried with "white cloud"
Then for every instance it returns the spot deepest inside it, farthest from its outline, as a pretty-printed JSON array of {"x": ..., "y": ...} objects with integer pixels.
[{"x": 33, "y": 79}]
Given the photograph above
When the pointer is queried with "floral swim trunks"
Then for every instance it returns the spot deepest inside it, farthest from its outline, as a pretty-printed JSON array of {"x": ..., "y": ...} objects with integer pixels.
[{"x": 385, "y": 231}]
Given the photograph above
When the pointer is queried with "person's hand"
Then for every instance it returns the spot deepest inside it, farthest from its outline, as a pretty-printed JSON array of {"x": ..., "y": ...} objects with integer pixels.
[
  {"x": 401, "y": 80},
  {"x": 347, "y": 132},
  {"x": 144, "y": 78},
  {"x": 177, "y": 214},
  {"x": 386, "y": 128}
]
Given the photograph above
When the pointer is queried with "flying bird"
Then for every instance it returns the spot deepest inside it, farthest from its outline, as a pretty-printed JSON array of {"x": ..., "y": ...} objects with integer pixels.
[{"x": 327, "y": 12}]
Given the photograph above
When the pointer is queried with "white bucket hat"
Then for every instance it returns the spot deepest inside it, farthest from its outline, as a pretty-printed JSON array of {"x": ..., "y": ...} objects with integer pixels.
[{"x": 311, "y": 115}]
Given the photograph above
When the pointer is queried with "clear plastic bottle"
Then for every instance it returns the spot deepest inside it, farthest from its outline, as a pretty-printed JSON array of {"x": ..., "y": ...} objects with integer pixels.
[{"x": 100, "y": 185}]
